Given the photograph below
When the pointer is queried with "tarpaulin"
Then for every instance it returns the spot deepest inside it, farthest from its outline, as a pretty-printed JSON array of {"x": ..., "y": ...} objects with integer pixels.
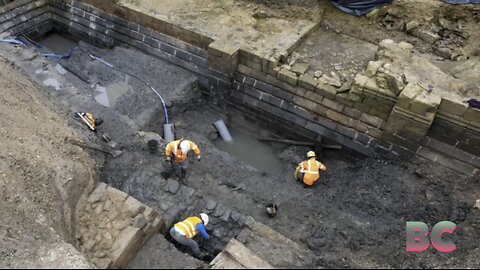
[
  {"x": 461, "y": 2},
  {"x": 360, "y": 7}
]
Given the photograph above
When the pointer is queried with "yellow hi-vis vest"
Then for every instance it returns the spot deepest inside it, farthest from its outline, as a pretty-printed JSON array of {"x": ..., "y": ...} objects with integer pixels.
[
  {"x": 311, "y": 168},
  {"x": 173, "y": 148},
  {"x": 188, "y": 227}
]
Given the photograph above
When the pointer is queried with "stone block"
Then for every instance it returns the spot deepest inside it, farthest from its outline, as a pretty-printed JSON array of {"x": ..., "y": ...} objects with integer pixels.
[
  {"x": 326, "y": 90},
  {"x": 371, "y": 120},
  {"x": 300, "y": 68},
  {"x": 125, "y": 247},
  {"x": 314, "y": 97},
  {"x": 333, "y": 105},
  {"x": 352, "y": 113},
  {"x": 338, "y": 117},
  {"x": 344, "y": 98},
  {"x": 287, "y": 76},
  {"x": 307, "y": 82},
  {"x": 408, "y": 94},
  {"x": 133, "y": 207},
  {"x": 321, "y": 110},
  {"x": 472, "y": 115},
  {"x": 454, "y": 107},
  {"x": 305, "y": 103},
  {"x": 425, "y": 103}
]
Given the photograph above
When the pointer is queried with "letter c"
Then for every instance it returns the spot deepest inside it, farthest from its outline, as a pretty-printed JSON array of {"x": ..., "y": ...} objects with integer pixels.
[{"x": 437, "y": 232}]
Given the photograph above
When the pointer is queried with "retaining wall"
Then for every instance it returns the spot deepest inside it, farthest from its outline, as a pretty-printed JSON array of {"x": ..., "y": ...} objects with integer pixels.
[{"x": 377, "y": 113}]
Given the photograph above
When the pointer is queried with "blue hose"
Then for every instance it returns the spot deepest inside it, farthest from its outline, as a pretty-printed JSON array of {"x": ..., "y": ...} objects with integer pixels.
[
  {"x": 13, "y": 41},
  {"x": 138, "y": 78},
  {"x": 60, "y": 56}
]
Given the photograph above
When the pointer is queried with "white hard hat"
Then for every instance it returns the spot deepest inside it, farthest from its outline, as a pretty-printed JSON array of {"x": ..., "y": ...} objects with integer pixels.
[
  {"x": 311, "y": 154},
  {"x": 204, "y": 218},
  {"x": 184, "y": 147}
]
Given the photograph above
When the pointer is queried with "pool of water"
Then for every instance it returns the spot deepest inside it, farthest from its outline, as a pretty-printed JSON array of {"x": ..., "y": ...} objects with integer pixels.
[
  {"x": 109, "y": 95},
  {"x": 58, "y": 44},
  {"x": 247, "y": 148}
]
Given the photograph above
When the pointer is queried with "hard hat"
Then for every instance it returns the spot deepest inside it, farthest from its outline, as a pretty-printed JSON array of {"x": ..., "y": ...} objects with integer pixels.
[
  {"x": 184, "y": 147},
  {"x": 204, "y": 218},
  {"x": 311, "y": 154}
]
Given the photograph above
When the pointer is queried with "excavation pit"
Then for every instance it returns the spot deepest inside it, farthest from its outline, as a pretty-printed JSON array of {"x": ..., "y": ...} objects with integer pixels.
[{"x": 361, "y": 191}]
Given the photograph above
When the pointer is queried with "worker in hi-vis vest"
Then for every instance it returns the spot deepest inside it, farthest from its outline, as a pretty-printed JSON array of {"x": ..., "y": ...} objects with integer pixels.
[
  {"x": 309, "y": 170},
  {"x": 177, "y": 153},
  {"x": 184, "y": 232}
]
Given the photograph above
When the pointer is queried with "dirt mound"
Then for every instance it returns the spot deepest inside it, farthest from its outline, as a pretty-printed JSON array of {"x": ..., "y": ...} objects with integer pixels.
[{"x": 41, "y": 179}]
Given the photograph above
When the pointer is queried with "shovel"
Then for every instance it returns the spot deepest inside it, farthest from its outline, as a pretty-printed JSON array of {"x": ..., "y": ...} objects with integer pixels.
[{"x": 114, "y": 153}]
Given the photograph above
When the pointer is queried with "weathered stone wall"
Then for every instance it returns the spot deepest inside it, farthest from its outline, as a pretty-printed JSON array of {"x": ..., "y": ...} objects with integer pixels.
[{"x": 113, "y": 226}]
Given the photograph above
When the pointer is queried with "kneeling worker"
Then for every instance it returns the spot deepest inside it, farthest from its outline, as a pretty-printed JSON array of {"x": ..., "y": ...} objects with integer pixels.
[
  {"x": 309, "y": 170},
  {"x": 184, "y": 232}
]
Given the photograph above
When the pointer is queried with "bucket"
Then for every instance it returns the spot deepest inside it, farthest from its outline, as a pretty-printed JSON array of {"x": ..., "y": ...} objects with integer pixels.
[
  {"x": 271, "y": 209},
  {"x": 152, "y": 146}
]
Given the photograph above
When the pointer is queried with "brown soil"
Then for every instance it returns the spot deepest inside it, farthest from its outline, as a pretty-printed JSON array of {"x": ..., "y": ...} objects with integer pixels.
[{"x": 41, "y": 179}]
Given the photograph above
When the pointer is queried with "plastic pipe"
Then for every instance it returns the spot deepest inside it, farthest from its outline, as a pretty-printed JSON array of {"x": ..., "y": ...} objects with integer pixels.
[
  {"x": 168, "y": 133},
  {"x": 222, "y": 129}
]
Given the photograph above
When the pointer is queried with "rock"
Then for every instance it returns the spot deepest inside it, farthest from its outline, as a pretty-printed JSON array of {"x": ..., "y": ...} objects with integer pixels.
[
  {"x": 121, "y": 224},
  {"x": 89, "y": 245},
  {"x": 211, "y": 204},
  {"x": 235, "y": 216},
  {"x": 112, "y": 214},
  {"x": 318, "y": 74},
  {"x": 139, "y": 221},
  {"x": 293, "y": 58},
  {"x": 333, "y": 79},
  {"x": 373, "y": 15},
  {"x": 426, "y": 35},
  {"x": 346, "y": 86},
  {"x": 172, "y": 186},
  {"x": 98, "y": 193},
  {"x": 225, "y": 216},
  {"x": 444, "y": 52},
  {"x": 411, "y": 25},
  {"x": 100, "y": 254},
  {"x": 300, "y": 68},
  {"x": 219, "y": 211},
  {"x": 99, "y": 209},
  {"x": 372, "y": 68},
  {"x": 477, "y": 204},
  {"x": 117, "y": 197},
  {"x": 133, "y": 207}
]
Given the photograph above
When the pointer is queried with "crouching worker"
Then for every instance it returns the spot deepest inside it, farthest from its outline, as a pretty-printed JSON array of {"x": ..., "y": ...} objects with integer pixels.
[
  {"x": 309, "y": 170},
  {"x": 184, "y": 232}
]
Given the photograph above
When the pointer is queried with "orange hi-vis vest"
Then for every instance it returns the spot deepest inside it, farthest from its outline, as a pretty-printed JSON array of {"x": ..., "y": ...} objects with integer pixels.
[
  {"x": 311, "y": 168},
  {"x": 180, "y": 156},
  {"x": 188, "y": 227}
]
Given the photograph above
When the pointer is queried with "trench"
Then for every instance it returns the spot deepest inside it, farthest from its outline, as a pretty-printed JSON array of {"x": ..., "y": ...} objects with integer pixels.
[{"x": 357, "y": 193}]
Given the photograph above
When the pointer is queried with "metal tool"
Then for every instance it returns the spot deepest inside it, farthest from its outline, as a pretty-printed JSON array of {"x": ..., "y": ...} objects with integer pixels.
[{"x": 114, "y": 153}]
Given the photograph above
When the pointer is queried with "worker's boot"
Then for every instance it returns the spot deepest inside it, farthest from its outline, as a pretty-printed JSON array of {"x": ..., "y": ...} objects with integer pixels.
[{"x": 183, "y": 175}]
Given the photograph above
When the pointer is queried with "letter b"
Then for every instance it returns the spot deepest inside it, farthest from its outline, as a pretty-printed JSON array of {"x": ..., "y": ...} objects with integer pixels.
[{"x": 417, "y": 237}]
